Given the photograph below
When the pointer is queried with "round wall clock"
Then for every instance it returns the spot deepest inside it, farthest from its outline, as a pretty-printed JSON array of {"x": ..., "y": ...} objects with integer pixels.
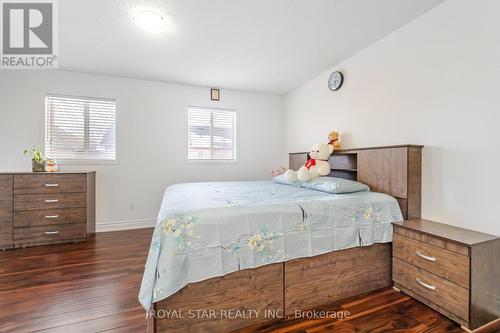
[{"x": 335, "y": 81}]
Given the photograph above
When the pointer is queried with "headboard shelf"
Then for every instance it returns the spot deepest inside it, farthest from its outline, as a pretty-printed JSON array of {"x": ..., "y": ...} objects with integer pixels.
[
  {"x": 342, "y": 169},
  {"x": 353, "y": 150},
  {"x": 346, "y": 174},
  {"x": 394, "y": 170}
]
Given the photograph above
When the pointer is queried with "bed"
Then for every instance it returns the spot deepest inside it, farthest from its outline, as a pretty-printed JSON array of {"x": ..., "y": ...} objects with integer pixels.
[{"x": 228, "y": 255}]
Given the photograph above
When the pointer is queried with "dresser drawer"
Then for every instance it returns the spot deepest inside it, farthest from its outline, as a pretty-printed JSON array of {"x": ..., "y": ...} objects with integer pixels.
[
  {"x": 5, "y": 209},
  {"x": 49, "y": 201},
  {"x": 449, "y": 265},
  {"x": 49, "y": 234},
  {"x": 5, "y": 235},
  {"x": 5, "y": 198},
  {"x": 32, "y": 218},
  {"x": 49, "y": 183},
  {"x": 5, "y": 212},
  {"x": 5, "y": 186},
  {"x": 433, "y": 288},
  {"x": 5, "y": 222}
]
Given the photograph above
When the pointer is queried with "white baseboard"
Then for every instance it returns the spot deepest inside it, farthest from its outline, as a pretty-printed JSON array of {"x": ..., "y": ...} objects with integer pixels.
[{"x": 124, "y": 225}]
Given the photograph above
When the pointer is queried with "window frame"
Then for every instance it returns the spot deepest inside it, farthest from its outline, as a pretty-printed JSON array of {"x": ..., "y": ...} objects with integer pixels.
[
  {"x": 235, "y": 136},
  {"x": 77, "y": 161}
]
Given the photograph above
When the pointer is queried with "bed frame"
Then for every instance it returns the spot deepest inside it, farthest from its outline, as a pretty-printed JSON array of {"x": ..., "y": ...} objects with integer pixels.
[{"x": 281, "y": 289}]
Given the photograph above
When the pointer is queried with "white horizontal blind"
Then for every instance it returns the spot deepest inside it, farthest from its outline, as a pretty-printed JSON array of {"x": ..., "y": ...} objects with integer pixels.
[
  {"x": 80, "y": 128},
  {"x": 212, "y": 134}
]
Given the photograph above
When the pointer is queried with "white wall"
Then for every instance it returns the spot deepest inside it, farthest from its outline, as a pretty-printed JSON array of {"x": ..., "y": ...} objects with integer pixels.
[
  {"x": 151, "y": 137},
  {"x": 436, "y": 82}
]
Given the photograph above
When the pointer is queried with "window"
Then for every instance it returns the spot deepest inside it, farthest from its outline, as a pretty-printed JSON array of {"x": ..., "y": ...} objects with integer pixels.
[
  {"x": 212, "y": 134},
  {"x": 80, "y": 128}
]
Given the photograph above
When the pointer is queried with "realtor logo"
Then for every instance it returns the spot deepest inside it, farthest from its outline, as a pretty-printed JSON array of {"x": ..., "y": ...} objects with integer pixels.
[{"x": 28, "y": 34}]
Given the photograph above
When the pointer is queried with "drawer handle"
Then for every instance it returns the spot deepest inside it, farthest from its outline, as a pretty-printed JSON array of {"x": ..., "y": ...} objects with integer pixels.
[
  {"x": 51, "y": 232},
  {"x": 51, "y": 216},
  {"x": 51, "y": 200},
  {"x": 425, "y": 285},
  {"x": 51, "y": 185},
  {"x": 423, "y": 256}
]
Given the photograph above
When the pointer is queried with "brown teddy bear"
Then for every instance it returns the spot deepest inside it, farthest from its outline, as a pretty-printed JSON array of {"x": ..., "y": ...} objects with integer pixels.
[{"x": 334, "y": 140}]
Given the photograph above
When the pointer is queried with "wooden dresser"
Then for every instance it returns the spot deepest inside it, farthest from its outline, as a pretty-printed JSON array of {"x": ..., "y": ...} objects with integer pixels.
[
  {"x": 452, "y": 270},
  {"x": 46, "y": 208}
]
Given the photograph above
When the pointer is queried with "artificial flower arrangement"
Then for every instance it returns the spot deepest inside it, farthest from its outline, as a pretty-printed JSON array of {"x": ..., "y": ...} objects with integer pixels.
[
  {"x": 39, "y": 162},
  {"x": 37, "y": 158}
]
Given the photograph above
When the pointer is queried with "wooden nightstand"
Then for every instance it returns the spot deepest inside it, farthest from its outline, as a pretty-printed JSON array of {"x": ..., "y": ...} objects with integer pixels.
[{"x": 452, "y": 270}]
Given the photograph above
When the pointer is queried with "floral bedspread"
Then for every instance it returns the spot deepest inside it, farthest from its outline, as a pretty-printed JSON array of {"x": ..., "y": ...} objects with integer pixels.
[{"x": 206, "y": 230}]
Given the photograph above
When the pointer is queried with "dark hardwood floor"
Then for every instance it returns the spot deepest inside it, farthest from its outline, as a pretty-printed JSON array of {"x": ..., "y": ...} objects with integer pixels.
[
  {"x": 72, "y": 288},
  {"x": 93, "y": 286}
]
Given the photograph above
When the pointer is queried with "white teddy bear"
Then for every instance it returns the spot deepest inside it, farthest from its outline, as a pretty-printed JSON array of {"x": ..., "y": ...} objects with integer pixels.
[{"x": 315, "y": 167}]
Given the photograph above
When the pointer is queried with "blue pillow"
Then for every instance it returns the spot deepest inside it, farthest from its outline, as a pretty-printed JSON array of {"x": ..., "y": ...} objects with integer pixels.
[
  {"x": 335, "y": 185},
  {"x": 281, "y": 179}
]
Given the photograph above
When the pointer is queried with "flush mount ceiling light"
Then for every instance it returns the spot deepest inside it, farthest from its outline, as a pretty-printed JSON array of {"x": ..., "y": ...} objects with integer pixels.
[{"x": 150, "y": 20}]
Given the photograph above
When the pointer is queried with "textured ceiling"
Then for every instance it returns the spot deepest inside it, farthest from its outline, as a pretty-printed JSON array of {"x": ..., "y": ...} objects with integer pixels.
[{"x": 252, "y": 45}]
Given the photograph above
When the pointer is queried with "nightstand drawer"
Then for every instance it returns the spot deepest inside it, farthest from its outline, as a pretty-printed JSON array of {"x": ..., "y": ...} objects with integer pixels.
[
  {"x": 444, "y": 263},
  {"x": 49, "y": 201},
  {"x": 433, "y": 288},
  {"x": 50, "y": 217},
  {"x": 49, "y": 234},
  {"x": 49, "y": 183},
  {"x": 435, "y": 241}
]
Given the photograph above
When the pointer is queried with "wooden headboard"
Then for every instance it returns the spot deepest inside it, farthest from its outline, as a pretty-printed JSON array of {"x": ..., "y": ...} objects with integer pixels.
[{"x": 395, "y": 170}]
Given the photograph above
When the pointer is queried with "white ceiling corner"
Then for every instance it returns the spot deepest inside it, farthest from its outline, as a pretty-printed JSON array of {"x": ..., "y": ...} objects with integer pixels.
[{"x": 251, "y": 45}]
